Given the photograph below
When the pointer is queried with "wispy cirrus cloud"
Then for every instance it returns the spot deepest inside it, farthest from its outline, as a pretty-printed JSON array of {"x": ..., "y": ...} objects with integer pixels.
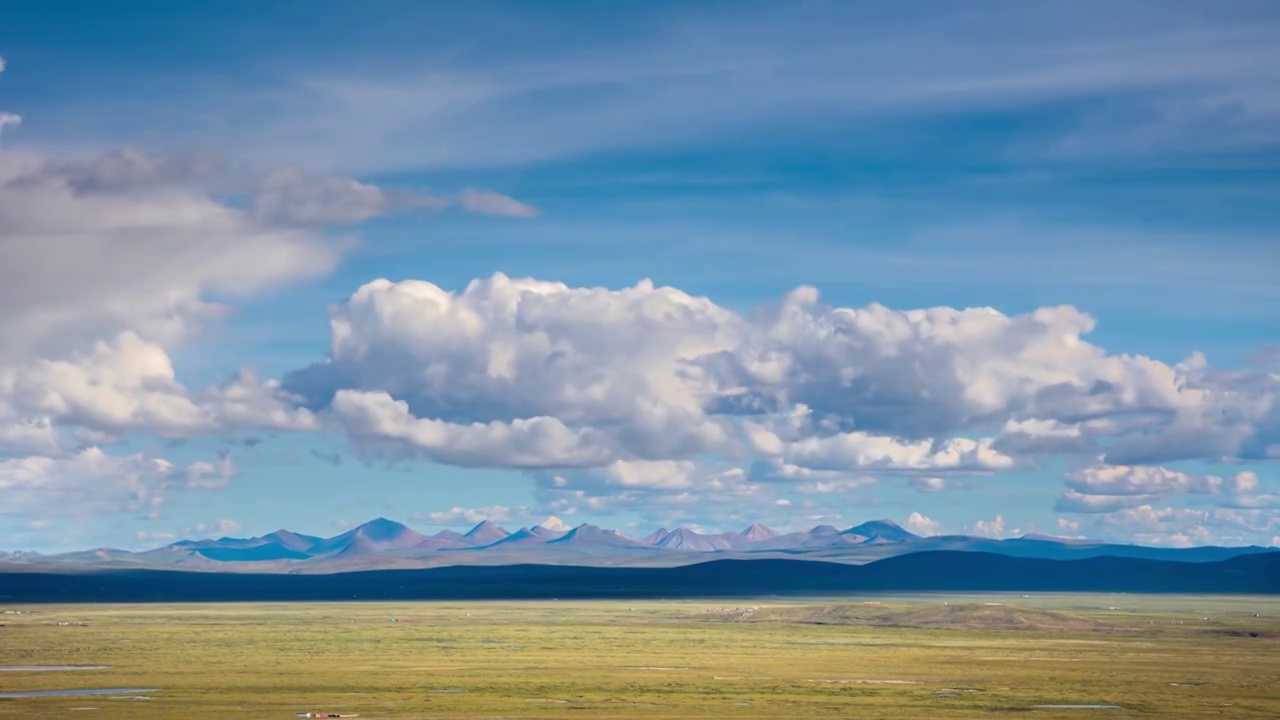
[{"x": 1149, "y": 81}]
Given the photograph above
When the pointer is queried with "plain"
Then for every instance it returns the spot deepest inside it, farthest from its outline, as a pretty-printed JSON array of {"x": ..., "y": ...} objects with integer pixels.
[{"x": 923, "y": 656}]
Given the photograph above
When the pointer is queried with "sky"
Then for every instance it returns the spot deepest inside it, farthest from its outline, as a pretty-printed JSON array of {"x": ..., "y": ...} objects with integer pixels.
[{"x": 992, "y": 268}]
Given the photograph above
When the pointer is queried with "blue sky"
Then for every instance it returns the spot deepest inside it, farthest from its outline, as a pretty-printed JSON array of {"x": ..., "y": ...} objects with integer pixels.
[{"x": 1120, "y": 158}]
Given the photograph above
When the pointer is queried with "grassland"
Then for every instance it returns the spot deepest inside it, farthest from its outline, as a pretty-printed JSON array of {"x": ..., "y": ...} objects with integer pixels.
[{"x": 905, "y": 657}]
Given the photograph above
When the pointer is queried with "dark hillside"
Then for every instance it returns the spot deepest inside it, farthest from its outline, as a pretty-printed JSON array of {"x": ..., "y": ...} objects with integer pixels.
[{"x": 929, "y": 571}]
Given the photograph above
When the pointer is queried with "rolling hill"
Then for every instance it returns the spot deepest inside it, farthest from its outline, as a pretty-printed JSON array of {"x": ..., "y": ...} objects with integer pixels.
[{"x": 917, "y": 572}]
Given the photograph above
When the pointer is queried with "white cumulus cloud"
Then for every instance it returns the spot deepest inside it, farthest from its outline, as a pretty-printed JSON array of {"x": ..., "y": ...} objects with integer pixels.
[
  {"x": 994, "y": 528},
  {"x": 92, "y": 482},
  {"x": 537, "y": 442},
  {"x": 923, "y": 525},
  {"x": 1104, "y": 488}
]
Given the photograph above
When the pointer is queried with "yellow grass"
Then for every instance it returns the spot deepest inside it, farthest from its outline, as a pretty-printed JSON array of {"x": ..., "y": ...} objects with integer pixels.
[{"x": 781, "y": 659}]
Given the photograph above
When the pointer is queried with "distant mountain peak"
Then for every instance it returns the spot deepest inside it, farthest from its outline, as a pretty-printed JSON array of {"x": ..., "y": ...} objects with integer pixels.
[
  {"x": 522, "y": 536},
  {"x": 683, "y": 538},
  {"x": 291, "y": 540},
  {"x": 758, "y": 532},
  {"x": 587, "y": 534},
  {"x": 371, "y": 538},
  {"x": 882, "y": 531},
  {"x": 382, "y": 523},
  {"x": 382, "y": 529},
  {"x": 1037, "y": 537},
  {"x": 486, "y": 532},
  {"x": 655, "y": 537},
  {"x": 545, "y": 532}
]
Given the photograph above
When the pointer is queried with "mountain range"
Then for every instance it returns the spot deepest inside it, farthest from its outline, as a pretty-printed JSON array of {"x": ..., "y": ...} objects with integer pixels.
[{"x": 386, "y": 544}]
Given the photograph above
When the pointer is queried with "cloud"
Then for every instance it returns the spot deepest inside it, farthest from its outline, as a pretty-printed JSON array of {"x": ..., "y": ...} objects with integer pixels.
[
  {"x": 35, "y": 436},
  {"x": 924, "y": 373},
  {"x": 89, "y": 250},
  {"x": 148, "y": 538},
  {"x": 834, "y": 486},
  {"x": 202, "y": 475},
  {"x": 1241, "y": 483},
  {"x": 8, "y": 119},
  {"x": 1104, "y": 488},
  {"x": 922, "y": 525},
  {"x": 639, "y": 398},
  {"x": 929, "y": 484},
  {"x": 247, "y": 401},
  {"x": 1138, "y": 480},
  {"x": 665, "y": 492},
  {"x": 671, "y": 481},
  {"x": 808, "y": 480},
  {"x": 1136, "y": 85},
  {"x": 857, "y": 450},
  {"x": 123, "y": 384},
  {"x": 1225, "y": 415},
  {"x": 1183, "y": 527},
  {"x": 1164, "y": 526},
  {"x": 1077, "y": 502},
  {"x": 504, "y": 350},
  {"x": 660, "y": 475},
  {"x": 91, "y": 482},
  {"x": 128, "y": 384},
  {"x": 807, "y": 445},
  {"x": 220, "y": 528},
  {"x": 486, "y": 202},
  {"x": 994, "y": 528},
  {"x": 471, "y": 516},
  {"x": 1266, "y": 357},
  {"x": 1065, "y": 525},
  {"x": 108, "y": 263},
  {"x": 131, "y": 170},
  {"x": 1256, "y": 501},
  {"x": 1034, "y": 437},
  {"x": 378, "y": 419},
  {"x": 290, "y": 197}
]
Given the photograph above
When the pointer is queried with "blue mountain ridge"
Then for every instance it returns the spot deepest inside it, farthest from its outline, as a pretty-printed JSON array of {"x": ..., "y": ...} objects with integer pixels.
[{"x": 384, "y": 543}]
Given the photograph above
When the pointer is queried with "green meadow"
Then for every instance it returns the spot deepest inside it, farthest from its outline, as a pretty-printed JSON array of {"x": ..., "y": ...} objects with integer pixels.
[{"x": 930, "y": 656}]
